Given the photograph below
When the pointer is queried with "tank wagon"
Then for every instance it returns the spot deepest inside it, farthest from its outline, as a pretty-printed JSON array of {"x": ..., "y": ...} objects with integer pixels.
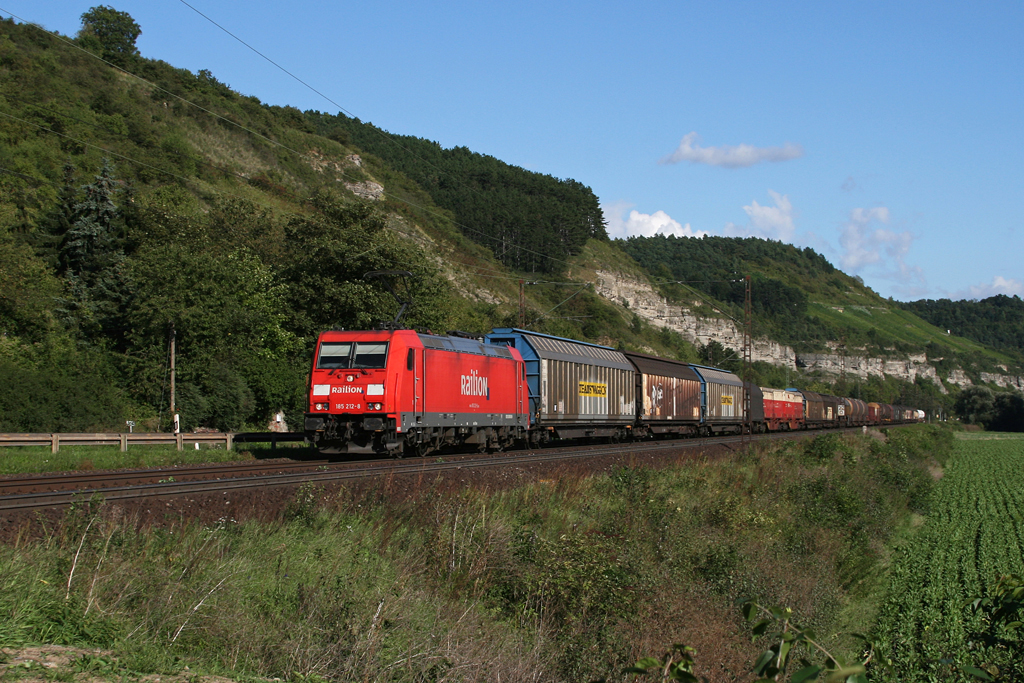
[{"x": 856, "y": 412}]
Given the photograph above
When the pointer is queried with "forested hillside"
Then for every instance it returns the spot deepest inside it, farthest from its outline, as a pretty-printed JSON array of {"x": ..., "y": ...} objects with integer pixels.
[
  {"x": 784, "y": 280},
  {"x": 802, "y": 300},
  {"x": 997, "y": 321},
  {"x": 532, "y": 222},
  {"x": 132, "y": 206}
]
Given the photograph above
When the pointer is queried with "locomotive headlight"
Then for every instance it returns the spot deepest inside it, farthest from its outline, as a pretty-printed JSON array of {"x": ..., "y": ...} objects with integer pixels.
[
  {"x": 322, "y": 406},
  {"x": 349, "y": 378}
]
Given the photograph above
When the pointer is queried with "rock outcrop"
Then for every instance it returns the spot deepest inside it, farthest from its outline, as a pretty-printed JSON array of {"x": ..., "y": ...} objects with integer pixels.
[
  {"x": 367, "y": 190},
  {"x": 640, "y": 298}
]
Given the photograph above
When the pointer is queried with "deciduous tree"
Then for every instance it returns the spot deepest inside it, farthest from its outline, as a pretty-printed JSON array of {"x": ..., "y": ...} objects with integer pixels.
[{"x": 112, "y": 32}]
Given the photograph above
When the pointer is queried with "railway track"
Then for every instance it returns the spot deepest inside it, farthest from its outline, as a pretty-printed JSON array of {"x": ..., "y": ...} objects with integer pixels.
[
  {"x": 75, "y": 481},
  {"x": 39, "y": 491}
]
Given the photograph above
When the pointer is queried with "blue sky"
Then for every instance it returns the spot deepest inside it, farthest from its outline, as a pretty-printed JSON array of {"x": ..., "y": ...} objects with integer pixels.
[{"x": 888, "y": 136}]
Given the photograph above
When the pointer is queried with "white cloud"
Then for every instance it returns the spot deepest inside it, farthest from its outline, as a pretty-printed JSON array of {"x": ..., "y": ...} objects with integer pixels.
[
  {"x": 643, "y": 224},
  {"x": 999, "y": 285},
  {"x": 769, "y": 222},
  {"x": 865, "y": 244},
  {"x": 730, "y": 156}
]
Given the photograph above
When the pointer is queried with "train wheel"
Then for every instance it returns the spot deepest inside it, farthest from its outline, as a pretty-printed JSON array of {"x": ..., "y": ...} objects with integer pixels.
[{"x": 418, "y": 450}]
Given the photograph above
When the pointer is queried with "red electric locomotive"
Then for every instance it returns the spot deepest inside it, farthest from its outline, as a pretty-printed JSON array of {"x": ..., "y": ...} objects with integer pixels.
[
  {"x": 783, "y": 409},
  {"x": 400, "y": 392}
]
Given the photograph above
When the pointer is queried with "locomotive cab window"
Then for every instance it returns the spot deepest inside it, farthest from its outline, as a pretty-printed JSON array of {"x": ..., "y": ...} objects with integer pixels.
[
  {"x": 370, "y": 355},
  {"x": 333, "y": 355},
  {"x": 338, "y": 355}
]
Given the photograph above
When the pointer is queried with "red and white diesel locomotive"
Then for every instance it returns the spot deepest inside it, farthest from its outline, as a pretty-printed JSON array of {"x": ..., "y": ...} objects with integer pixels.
[{"x": 402, "y": 392}]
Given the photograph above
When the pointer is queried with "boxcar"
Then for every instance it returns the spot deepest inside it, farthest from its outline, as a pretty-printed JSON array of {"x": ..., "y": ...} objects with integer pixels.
[
  {"x": 820, "y": 410},
  {"x": 668, "y": 395},
  {"x": 576, "y": 389},
  {"x": 904, "y": 414},
  {"x": 723, "y": 400},
  {"x": 835, "y": 410},
  {"x": 756, "y": 416}
]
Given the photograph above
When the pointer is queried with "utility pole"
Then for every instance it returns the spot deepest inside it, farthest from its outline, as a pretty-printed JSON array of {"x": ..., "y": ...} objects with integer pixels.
[
  {"x": 173, "y": 412},
  {"x": 842, "y": 369},
  {"x": 748, "y": 352},
  {"x": 522, "y": 304}
]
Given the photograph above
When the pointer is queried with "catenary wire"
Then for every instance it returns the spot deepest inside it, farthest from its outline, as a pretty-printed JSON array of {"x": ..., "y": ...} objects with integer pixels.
[
  {"x": 386, "y": 136},
  {"x": 409, "y": 203},
  {"x": 412, "y": 204}
]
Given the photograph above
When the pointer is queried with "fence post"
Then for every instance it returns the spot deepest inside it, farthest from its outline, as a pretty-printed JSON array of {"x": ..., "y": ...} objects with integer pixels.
[
  {"x": 124, "y": 443},
  {"x": 177, "y": 438},
  {"x": 54, "y": 443},
  {"x": 230, "y": 441}
]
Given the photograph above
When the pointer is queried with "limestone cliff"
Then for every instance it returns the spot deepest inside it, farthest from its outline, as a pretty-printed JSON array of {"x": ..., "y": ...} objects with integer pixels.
[{"x": 641, "y": 298}]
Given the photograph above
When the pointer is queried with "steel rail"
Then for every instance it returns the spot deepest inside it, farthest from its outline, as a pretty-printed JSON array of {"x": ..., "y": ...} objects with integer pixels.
[
  {"x": 376, "y": 468},
  {"x": 52, "y": 481}
]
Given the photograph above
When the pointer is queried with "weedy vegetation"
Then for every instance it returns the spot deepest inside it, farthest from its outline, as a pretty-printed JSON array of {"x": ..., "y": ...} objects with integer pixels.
[{"x": 567, "y": 579}]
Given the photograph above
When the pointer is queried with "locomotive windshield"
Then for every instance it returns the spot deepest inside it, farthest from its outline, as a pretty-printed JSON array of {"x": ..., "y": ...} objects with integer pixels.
[
  {"x": 370, "y": 355},
  {"x": 336, "y": 355}
]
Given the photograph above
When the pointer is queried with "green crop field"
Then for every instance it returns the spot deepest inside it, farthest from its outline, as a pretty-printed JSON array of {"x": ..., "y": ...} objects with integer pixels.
[{"x": 973, "y": 533}]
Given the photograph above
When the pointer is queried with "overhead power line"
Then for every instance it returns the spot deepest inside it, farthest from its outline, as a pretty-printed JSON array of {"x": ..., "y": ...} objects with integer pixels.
[
  {"x": 383, "y": 134},
  {"x": 238, "y": 125}
]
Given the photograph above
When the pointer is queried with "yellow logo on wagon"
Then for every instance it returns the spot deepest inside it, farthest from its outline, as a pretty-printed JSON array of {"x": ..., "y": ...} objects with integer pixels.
[
  {"x": 593, "y": 389},
  {"x": 727, "y": 400}
]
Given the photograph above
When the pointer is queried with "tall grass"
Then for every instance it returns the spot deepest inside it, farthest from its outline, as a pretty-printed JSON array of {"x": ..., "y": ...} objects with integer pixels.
[{"x": 564, "y": 579}]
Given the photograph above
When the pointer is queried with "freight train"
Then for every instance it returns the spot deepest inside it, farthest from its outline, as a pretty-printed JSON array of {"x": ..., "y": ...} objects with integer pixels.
[{"x": 402, "y": 392}]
